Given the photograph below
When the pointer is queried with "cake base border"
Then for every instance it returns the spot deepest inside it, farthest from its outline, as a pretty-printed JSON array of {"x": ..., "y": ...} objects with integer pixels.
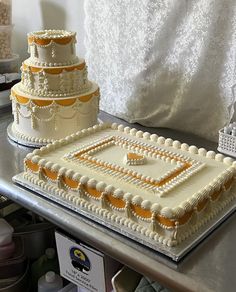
[
  {"x": 175, "y": 253},
  {"x": 19, "y": 140}
]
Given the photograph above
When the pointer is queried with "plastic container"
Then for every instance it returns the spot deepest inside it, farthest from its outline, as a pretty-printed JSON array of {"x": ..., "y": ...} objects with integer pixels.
[
  {"x": 227, "y": 140},
  {"x": 5, "y": 41},
  {"x": 19, "y": 284},
  {"x": 47, "y": 262},
  {"x": 50, "y": 282},
  {"x": 16, "y": 265},
  {"x": 6, "y": 231},
  {"x": 5, "y": 98},
  {"x": 39, "y": 235},
  {"x": 5, "y": 12},
  {"x": 125, "y": 280},
  {"x": 7, "y": 250},
  {"x": 69, "y": 288},
  {"x": 10, "y": 65}
]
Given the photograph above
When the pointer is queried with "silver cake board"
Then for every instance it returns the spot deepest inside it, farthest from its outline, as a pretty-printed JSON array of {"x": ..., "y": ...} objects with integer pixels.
[{"x": 175, "y": 253}]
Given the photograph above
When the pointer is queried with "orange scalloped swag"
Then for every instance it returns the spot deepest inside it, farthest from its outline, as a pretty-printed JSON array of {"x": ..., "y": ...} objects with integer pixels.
[
  {"x": 32, "y": 166},
  {"x": 116, "y": 202}
]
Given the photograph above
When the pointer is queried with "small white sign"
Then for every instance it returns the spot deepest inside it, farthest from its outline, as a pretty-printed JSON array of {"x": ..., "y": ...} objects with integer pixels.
[{"x": 80, "y": 264}]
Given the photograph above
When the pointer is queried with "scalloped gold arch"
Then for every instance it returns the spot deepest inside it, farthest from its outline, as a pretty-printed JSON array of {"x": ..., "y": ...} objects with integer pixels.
[
  {"x": 46, "y": 41},
  {"x": 53, "y": 70},
  {"x": 140, "y": 211},
  {"x": 63, "y": 102},
  {"x": 116, "y": 202}
]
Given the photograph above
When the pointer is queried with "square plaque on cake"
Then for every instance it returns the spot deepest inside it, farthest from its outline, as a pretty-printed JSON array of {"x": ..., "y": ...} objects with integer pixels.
[{"x": 161, "y": 191}]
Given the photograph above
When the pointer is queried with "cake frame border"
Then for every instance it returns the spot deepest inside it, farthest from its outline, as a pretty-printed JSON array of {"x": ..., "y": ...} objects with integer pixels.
[
  {"x": 15, "y": 138},
  {"x": 175, "y": 253}
]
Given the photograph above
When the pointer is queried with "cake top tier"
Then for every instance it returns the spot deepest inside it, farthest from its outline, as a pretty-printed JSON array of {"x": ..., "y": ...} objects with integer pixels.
[
  {"x": 44, "y": 37},
  {"x": 52, "y": 48}
]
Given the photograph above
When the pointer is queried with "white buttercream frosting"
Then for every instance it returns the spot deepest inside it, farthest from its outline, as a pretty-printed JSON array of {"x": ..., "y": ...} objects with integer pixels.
[
  {"x": 161, "y": 140},
  {"x": 114, "y": 126},
  {"x": 178, "y": 212},
  {"x": 211, "y": 154},
  {"x": 202, "y": 151},
  {"x": 100, "y": 186},
  {"x": 168, "y": 142},
  {"x": 109, "y": 189},
  {"x": 128, "y": 197},
  {"x": 137, "y": 200},
  {"x": 146, "y": 204},
  {"x": 184, "y": 146},
  {"x": 84, "y": 179},
  {"x": 118, "y": 193},
  {"x": 146, "y": 135},
  {"x": 156, "y": 208},
  {"x": 139, "y": 134},
  {"x": 176, "y": 144},
  {"x": 154, "y": 137},
  {"x": 219, "y": 157},
  {"x": 167, "y": 212},
  {"x": 193, "y": 149},
  {"x": 228, "y": 160}
]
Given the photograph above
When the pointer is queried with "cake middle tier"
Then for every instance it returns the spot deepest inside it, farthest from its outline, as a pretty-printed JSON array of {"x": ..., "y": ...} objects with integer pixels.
[{"x": 54, "y": 81}]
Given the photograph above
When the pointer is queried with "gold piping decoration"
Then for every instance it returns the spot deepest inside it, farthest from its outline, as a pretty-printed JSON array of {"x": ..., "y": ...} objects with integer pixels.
[
  {"x": 141, "y": 212},
  {"x": 46, "y": 41},
  {"x": 32, "y": 166},
  {"x": 56, "y": 70},
  {"x": 50, "y": 174},
  {"x": 70, "y": 182},
  {"x": 116, "y": 202},
  {"x": 202, "y": 204},
  {"x": 172, "y": 222},
  {"x": 92, "y": 191},
  {"x": 44, "y": 102}
]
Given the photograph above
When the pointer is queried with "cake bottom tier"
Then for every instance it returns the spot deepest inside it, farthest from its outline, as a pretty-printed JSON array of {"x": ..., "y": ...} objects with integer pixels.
[{"x": 43, "y": 120}]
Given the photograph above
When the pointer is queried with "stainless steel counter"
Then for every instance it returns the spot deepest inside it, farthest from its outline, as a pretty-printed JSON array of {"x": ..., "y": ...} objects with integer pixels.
[{"x": 208, "y": 267}]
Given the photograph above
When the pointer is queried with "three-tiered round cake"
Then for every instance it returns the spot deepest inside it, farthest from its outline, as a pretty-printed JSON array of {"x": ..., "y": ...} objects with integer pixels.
[{"x": 54, "y": 98}]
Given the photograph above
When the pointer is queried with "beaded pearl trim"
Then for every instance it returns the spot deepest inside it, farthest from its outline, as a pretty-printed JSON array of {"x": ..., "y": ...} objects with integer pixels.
[{"x": 184, "y": 168}]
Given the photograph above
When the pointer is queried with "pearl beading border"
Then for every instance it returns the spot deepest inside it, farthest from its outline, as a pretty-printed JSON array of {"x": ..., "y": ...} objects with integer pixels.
[{"x": 30, "y": 139}]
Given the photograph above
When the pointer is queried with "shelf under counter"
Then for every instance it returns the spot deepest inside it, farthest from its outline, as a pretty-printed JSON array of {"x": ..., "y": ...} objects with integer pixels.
[{"x": 208, "y": 267}]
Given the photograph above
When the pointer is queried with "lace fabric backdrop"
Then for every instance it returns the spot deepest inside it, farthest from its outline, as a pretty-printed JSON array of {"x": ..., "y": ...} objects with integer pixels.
[{"x": 164, "y": 63}]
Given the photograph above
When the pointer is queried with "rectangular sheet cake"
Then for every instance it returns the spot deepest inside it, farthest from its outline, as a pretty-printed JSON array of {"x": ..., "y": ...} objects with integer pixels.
[{"x": 160, "y": 189}]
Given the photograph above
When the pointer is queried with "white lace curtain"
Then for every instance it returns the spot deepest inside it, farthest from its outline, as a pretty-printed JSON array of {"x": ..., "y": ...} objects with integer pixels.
[{"x": 164, "y": 63}]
